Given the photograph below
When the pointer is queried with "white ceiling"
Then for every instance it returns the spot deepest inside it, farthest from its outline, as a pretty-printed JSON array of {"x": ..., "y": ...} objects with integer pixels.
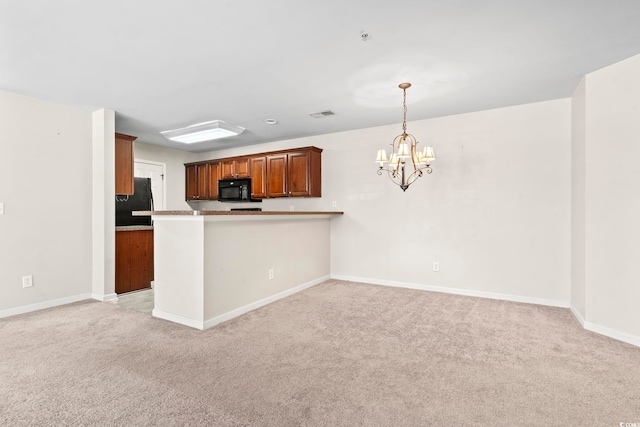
[{"x": 164, "y": 64}]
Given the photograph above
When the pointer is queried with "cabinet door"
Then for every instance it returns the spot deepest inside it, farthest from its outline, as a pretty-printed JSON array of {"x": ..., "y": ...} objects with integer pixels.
[
  {"x": 214, "y": 177},
  {"x": 258, "y": 168},
  {"x": 242, "y": 168},
  {"x": 235, "y": 168},
  {"x": 227, "y": 169},
  {"x": 134, "y": 260},
  {"x": 124, "y": 163},
  {"x": 191, "y": 182},
  {"x": 298, "y": 176},
  {"x": 203, "y": 181},
  {"x": 196, "y": 181},
  {"x": 277, "y": 175},
  {"x": 305, "y": 173}
]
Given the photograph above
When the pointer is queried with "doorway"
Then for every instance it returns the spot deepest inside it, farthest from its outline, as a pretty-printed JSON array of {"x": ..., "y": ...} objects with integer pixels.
[{"x": 155, "y": 171}]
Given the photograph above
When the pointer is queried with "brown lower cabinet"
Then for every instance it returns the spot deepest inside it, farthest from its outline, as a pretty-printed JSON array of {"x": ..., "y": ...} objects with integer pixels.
[{"x": 134, "y": 260}]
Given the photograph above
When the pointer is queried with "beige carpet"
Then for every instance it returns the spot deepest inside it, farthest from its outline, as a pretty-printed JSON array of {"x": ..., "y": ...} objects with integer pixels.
[{"x": 337, "y": 354}]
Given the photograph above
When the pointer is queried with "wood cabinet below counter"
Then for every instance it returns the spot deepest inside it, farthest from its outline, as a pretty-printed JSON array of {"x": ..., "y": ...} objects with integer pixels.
[{"x": 134, "y": 258}]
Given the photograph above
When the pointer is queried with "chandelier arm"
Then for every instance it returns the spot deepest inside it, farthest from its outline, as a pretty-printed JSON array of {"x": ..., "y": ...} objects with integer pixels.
[
  {"x": 410, "y": 179},
  {"x": 393, "y": 176},
  {"x": 413, "y": 177},
  {"x": 414, "y": 145}
]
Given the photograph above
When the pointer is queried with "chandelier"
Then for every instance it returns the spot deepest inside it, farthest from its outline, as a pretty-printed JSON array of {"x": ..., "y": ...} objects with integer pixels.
[{"x": 404, "y": 148}]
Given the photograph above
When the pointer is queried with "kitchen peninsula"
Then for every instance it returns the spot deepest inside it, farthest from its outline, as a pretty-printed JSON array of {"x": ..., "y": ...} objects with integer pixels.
[{"x": 211, "y": 266}]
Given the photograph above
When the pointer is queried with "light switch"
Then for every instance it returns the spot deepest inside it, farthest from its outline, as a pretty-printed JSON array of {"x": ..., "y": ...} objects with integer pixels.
[{"x": 1, "y": 208}]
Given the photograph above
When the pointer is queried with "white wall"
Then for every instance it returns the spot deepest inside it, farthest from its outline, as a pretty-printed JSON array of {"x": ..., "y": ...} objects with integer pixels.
[
  {"x": 578, "y": 129},
  {"x": 239, "y": 254},
  {"x": 495, "y": 212},
  {"x": 103, "y": 207},
  {"x": 612, "y": 202},
  {"x": 45, "y": 184}
]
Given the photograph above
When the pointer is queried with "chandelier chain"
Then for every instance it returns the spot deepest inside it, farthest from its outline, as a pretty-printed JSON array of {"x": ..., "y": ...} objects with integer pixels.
[{"x": 404, "y": 117}]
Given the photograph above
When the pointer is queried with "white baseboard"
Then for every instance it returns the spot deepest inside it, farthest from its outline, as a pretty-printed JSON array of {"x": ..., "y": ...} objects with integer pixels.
[
  {"x": 260, "y": 303},
  {"x": 45, "y": 304},
  {"x": 234, "y": 313},
  {"x": 177, "y": 319},
  {"x": 577, "y": 315},
  {"x": 456, "y": 291},
  {"x": 612, "y": 333},
  {"x": 602, "y": 330},
  {"x": 107, "y": 297}
]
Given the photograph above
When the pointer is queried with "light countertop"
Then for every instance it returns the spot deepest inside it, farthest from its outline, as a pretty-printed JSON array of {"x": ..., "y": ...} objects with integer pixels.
[
  {"x": 234, "y": 213},
  {"x": 134, "y": 227}
]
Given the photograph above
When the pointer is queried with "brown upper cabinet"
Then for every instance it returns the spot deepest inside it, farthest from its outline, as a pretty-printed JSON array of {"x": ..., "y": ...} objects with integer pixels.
[
  {"x": 277, "y": 175},
  {"x": 214, "y": 176},
  {"x": 197, "y": 181},
  {"x": 304, "y": 173},
  {"x": 124, "y": 163},
  {"x": 258, "y": 168},
  {"x": 285, "y": 173},
  {"x": 237, "y": 167},
  {"x": 297, "y": 173}
]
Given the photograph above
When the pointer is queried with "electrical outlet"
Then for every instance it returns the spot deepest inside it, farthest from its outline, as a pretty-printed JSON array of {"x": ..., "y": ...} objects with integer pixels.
[
  {"x": 271, "y": 274},
  {"x": 1, "y": 208},
  {"x": 27, "y": 281},
  {"x": 291, "y": 208},
  {"x": 436, "y": 266},
  {"x": 334, "y": 204}
]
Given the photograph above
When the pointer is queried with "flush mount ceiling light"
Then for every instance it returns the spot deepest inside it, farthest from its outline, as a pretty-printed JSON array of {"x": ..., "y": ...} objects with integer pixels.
[
  {"x": 404, "y": 147},
  {"x": 205, "y": 131}
]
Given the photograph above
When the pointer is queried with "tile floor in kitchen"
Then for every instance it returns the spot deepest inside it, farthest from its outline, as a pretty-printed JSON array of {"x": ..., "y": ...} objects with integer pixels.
[{"x": 138, "y": 300}]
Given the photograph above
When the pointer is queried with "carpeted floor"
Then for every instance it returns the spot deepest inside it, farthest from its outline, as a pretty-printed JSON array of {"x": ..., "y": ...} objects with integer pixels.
[{"x": 337, "y": 354}]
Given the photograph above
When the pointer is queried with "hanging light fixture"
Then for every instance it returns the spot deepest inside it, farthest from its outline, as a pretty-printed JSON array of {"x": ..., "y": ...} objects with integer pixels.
[{"x": 404, "y": 148}]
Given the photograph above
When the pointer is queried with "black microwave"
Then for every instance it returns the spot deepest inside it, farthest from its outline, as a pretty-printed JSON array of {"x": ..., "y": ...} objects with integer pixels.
[{"x": 235, "y": 190}]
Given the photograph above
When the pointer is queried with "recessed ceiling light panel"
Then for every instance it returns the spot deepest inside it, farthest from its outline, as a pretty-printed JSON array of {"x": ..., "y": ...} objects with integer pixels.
[
  {"x": 205, "y": 131},
  {"x": 270, "y": 121}
]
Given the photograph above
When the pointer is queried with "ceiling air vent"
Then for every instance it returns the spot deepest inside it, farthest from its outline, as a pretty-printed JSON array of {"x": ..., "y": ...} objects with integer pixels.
[{"x": 322, "y": 114}]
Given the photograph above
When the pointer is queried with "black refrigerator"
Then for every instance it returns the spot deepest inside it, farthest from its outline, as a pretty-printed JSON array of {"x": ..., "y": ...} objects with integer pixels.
[{"x": 141, "y": 200}]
